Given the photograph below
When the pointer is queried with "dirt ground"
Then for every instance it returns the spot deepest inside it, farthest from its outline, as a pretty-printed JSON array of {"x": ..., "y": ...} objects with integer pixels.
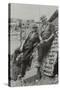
[{"x": 45, "y": 80}]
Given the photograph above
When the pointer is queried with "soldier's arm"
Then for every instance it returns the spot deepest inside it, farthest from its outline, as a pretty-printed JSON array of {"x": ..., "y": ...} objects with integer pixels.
[
  {"x": 51, "y": 36},
  {"x": 41, "y": 40},
  {"x": 46, "y": 40}
]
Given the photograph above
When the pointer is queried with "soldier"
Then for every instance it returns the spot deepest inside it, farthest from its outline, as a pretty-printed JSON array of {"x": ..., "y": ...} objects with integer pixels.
[
  {"x": 28, "y": 47},
  {"x": 46, "y": 38}
]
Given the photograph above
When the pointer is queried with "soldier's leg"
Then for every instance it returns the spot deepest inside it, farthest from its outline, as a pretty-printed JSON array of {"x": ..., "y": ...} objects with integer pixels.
[
  {"x": 23, "y": 69},
  {"x": 40, "y": 60}
]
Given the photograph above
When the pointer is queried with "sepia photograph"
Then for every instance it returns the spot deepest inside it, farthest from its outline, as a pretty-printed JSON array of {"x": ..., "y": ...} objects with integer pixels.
[{"x": 33, "y": 44}]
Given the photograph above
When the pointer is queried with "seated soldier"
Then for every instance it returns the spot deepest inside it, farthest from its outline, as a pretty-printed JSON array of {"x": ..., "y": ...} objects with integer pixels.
[
  {"x": 30, "y": 43},
  {"x": 23, "y": 57}
]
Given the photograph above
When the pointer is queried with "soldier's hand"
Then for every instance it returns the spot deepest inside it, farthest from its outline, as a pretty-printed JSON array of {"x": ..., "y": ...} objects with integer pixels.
[{"x": 42, "y": 41}]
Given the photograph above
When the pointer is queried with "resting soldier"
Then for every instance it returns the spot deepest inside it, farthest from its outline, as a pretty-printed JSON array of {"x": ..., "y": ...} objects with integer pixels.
[
  {"x": 30, "y": 43},
  {"x": 46, "y": 38}
]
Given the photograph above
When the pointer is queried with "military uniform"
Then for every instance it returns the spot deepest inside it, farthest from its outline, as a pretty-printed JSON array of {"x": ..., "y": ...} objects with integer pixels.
[
  {"x": 28, "y": 47},
  {"x": 45, "y": 46}
]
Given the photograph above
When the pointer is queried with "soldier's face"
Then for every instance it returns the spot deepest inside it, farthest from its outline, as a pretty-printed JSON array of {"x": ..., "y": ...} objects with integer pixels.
[{"x": 35, "y": 29}]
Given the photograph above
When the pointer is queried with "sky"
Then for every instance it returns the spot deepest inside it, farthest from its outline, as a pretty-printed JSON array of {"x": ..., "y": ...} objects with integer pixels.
[{"x": 26, "y": 11}]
